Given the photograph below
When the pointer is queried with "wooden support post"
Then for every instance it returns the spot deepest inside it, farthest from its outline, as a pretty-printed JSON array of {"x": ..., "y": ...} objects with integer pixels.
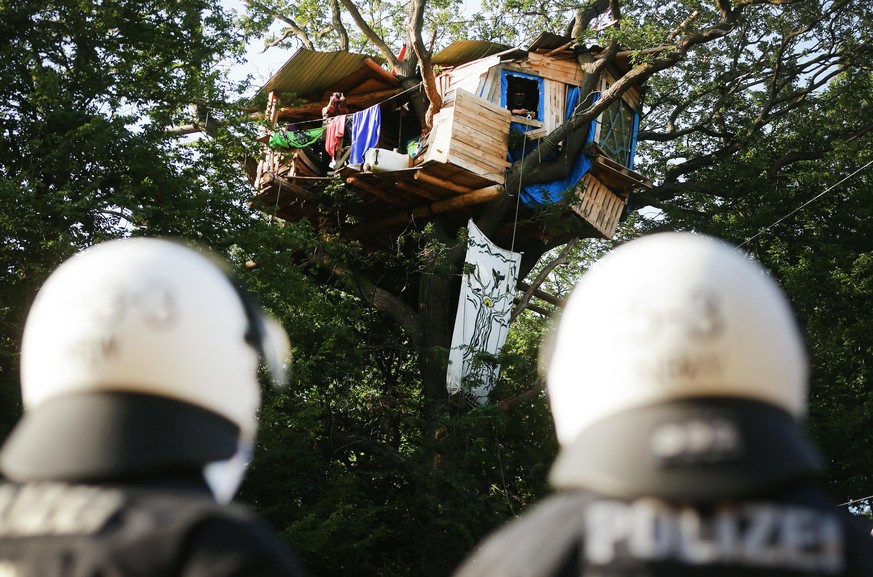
[
  {"x": 271, "y": 113},
  {"x": 273, "y": 107}
]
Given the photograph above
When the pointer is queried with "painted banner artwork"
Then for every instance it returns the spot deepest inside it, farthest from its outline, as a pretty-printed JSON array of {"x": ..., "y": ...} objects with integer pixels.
[{"x": 482, "y": 321}]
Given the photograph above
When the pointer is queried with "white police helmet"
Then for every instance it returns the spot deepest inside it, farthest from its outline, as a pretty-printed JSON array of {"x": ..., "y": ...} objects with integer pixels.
[
  {"x": 677, "y": 370},
  {"x": 139, "y": 355}
]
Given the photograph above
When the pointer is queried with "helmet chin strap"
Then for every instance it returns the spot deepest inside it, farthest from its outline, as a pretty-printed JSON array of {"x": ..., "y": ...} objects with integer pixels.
[{"x": 225, "y": 477}]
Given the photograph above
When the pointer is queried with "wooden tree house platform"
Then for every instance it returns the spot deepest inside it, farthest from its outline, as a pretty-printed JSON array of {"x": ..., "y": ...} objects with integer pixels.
[{"x": 458, "y": 167}]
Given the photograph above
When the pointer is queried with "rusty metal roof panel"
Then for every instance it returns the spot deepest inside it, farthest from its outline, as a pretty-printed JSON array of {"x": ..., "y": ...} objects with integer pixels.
[
  {"x": 464, "y": 51},
  {"x": 549, "y": 41},
  {"x": 308, "y": 72}
]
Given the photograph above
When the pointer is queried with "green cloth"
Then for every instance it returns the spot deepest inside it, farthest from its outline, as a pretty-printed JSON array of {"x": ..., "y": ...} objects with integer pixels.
[{"x": 296, "y": 139}]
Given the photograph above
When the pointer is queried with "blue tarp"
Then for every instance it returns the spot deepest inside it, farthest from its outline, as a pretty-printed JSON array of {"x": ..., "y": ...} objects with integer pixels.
[
  {"x": 633, "y": 144},
  {"x": 536, "y": 195}
]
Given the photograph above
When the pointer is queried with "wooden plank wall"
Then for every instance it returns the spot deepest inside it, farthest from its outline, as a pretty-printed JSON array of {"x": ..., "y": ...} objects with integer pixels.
[
  {"x": 467, "y": 77},
  {"x": 489, "y": 86},
  {"x": 554, "y": 103},
  {"x": 473, "y": 135},
  {"x": 559, "y": 70},
  {"x": 598, "y": 205}
]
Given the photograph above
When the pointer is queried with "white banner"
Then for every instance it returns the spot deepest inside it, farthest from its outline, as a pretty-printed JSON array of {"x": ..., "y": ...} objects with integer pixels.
[{"x": 482, "y": 321}]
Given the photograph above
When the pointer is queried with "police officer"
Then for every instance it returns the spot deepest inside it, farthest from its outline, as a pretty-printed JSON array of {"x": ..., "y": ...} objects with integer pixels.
[
  {"x": 677, "y": 380},
  {"x": 139, "y": 380}
]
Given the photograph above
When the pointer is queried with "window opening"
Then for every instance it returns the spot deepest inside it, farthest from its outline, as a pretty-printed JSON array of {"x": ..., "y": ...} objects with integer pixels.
[
  {"x": 522, "y": 96},
  {"x": 617, "y": 132}
]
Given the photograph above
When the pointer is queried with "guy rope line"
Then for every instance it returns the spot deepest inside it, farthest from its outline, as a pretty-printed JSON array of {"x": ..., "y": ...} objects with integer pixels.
[
  {"x": 392, "y": 97},
  {"x": 804, "y": 205},
  {"x": 853, "y": 501}
]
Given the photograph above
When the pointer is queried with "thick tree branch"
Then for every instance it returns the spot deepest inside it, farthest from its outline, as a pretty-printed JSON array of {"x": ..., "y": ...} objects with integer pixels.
[
  {"x": 511, "y": 403},
  {"x": 368, "y": 444},
  {"x": 416, "y": 15},
  {"x": 292, "y": 25},
  {"x": 336, "y": 18},
  {"x": 583, "y": 17},
  {"x": 370, "y": 34},
  {"x": 562, "y": 258},
  {"x": 818, "y": 153},
  {"x": 378, "y": 298}
]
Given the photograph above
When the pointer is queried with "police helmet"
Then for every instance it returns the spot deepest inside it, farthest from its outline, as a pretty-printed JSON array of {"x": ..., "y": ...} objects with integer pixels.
[
  {"x": 139, "y": 356},
  {"x": 677, "y": 370}
]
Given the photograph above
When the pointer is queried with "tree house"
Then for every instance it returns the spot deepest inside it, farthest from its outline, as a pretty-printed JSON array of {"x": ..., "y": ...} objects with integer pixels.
[{"x": 498, "y": 101}]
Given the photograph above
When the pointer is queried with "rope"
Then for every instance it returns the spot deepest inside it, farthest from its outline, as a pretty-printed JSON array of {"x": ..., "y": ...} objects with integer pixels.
[
  {"x": 390, "y": 98},
  {"x": 278, "y": 195},
  {"x": 503, "y": 480},
  {"x": 804, "y": 205},
  {"x": 853, "y": 501},
  {"x": 520, "y": 183}
]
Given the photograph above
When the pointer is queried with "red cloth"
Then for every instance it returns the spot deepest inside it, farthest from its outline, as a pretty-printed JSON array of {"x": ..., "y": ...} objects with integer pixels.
[{"x": 334, "y": 134}]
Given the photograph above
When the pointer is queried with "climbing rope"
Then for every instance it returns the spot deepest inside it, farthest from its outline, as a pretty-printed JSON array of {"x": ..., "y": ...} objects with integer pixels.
[{"x": 520, "y": 183}]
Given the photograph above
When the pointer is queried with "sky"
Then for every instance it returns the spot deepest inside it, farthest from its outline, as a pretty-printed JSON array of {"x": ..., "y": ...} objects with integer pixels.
[{"x": 259, "y": 63}]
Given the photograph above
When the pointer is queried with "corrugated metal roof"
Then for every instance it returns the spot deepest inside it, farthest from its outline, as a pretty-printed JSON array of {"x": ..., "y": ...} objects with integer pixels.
[
  {"x": 466, "y": 51},
  {"x": 549, "y": 41},
  {"x": 309, "y": 72}
]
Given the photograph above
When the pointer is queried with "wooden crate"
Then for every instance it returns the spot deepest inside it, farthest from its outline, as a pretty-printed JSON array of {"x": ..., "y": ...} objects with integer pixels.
[
  {"x": 598, "y": 205},
  {"x": 473, "y": 135}
]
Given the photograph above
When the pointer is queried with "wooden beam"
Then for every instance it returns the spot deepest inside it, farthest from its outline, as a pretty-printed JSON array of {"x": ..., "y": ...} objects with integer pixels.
[
  {"x": 560, "y": 48},
  {"x": 539, "y": 310},
  {"x": 386, "y": 76},
  {"x": 475, "y": 197},
  {"x": 361, "y": 183},
  {"x": 357, "y": 100},
  {"x": 416, "y": 190},
  {"x": 271, "y": 180},
  {"x": 448, "y": 185}
]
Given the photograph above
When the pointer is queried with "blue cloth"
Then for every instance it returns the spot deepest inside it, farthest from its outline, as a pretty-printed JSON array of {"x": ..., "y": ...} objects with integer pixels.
[
  {"x": 633, "y": 146},
  {"x": 551, "y": 192},
  {"x": 365, "y": 132}
]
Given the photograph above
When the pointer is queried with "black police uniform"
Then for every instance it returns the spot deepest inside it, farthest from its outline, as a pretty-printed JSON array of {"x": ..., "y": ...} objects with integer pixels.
[
  {"x": 50, "y": 529},
  {"x": 111, "y": 484},
  {"x": 574, "y": 534},
  {"x": 738, "y": 505}
]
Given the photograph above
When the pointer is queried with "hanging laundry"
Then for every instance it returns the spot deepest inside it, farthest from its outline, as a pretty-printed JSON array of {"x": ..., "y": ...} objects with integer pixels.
[
  {"x": 296, "y": 138},
  {"x": 333, "y": 136},
  {"x": 365, "y": 132}
]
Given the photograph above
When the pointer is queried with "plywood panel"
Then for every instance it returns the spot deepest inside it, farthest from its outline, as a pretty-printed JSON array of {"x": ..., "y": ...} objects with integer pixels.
[
  {"x": 492, "y": 86},
  {"x": 554, "y": 103}
]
